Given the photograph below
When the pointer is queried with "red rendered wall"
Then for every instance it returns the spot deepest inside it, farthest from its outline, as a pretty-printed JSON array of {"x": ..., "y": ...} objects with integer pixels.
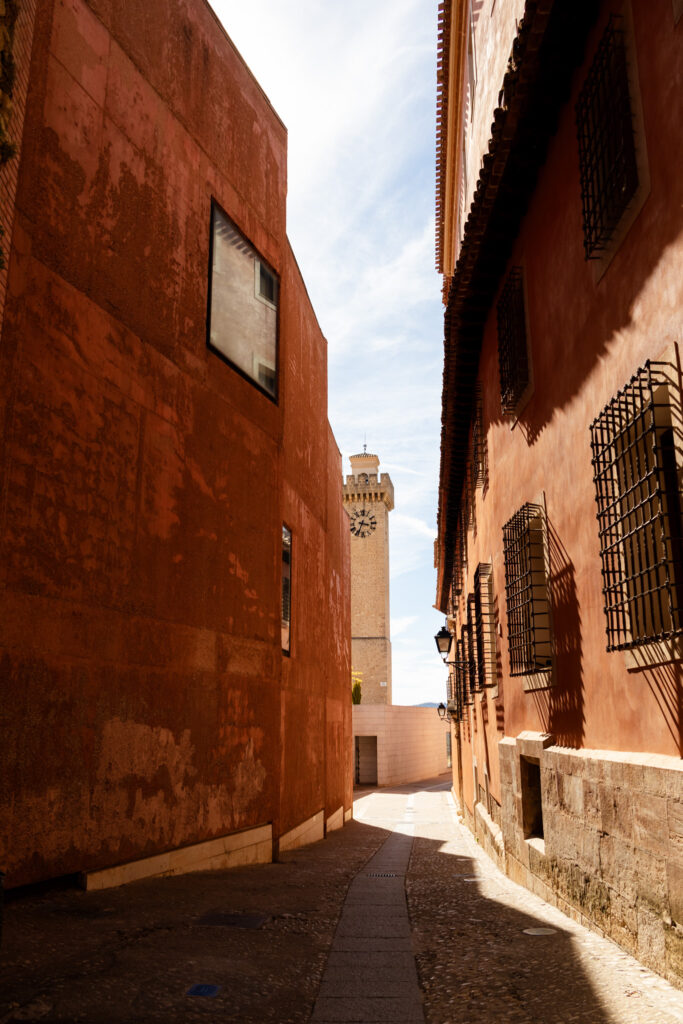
[
  {"x": 146, "y": 700},
  {"x": 587, "y": 339}
]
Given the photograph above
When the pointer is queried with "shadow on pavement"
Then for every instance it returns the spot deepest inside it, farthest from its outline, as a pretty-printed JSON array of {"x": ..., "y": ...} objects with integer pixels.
[
  {"x": 130, "y": 955},
  {"x": 476, "y": 962}
]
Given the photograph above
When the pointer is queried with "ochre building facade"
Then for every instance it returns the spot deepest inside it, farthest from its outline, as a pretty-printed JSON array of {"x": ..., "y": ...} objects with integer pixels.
[
  {"x": 368, "y": 500},
  {"x": 559, "y": 559},
  {"x": 175, "y": 615}
]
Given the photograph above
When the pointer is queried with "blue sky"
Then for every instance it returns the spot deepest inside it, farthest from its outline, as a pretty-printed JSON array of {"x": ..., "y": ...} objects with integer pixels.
[{"x": 354, "y": 81}]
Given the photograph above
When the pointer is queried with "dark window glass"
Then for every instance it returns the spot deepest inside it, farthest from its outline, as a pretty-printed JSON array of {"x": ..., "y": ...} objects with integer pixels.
[
  {"x": 286, "y": 590},
  {"x": 512, "y": 346}
]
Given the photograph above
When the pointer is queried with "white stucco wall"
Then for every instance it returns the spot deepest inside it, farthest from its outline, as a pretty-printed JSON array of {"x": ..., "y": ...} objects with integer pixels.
[{"x": 411, "y": 742}]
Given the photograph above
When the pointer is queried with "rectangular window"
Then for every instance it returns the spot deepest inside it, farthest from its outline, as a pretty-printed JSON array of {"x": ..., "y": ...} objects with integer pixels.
[
  {"x": 479, "y": 452},
  {"x": 638, "y": 494},
  {"x": 607, "y": 151},
  {"x": 526, "y": 591},
  {"x": 484, "y": 626},
  {"x": 532, "y": 802},
  {"x": 473, "y": 666},
  {"x": 243, "y": 305},
  {"x": 286, "y": 631},
  {"x": 513, "y": 355},
  {"x": 462, "y": 668}
]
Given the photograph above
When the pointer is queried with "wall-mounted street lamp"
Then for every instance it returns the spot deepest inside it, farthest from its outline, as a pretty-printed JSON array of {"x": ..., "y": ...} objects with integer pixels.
[
  {"x": 443, "y": 640},
  {"x": 445, "y": 714}
]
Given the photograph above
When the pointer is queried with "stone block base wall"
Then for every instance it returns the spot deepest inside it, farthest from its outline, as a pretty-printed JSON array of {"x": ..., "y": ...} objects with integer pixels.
[{"x": 598, "y": 834}]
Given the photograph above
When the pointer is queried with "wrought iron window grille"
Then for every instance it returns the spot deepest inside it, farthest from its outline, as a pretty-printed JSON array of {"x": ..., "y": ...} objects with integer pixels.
[
  {"x": 452, "y": 704},
  {"x": 479, "y": 451},
  {"x": 484, "y": 626},
  {"x": 462, "y": 668},
  {"x": 637, "y": 475},
  {"x": 607, "y": 150},
  {"x": 473, "y": 662},
  {"x": 526, "y": 591},
  {"x": 513, "y": 357},
  {"x": 469, "y": 499}
]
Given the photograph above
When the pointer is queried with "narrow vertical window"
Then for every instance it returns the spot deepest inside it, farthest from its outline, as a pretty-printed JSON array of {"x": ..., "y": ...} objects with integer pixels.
[
  {"x": 513, "y": 357},
  {"x": 526, "y": 591},
  {"x": 286, "y": 631},
  {"x": 607, "y": 150}
]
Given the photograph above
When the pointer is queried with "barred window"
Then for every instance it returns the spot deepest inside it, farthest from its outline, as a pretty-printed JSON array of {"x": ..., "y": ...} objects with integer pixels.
[
  {"x": 607, "y": 150},
  {"x": 484, "y": 626},
  {"x": 526, "y": 591},
  {"x": 471, "y": 652},
  {"x": 462, "y": 669},
  {"x": 479, "y": 451},
  {"x": 459, "y": 568},
  {"x": 453, "y": 702},
  {"x": 638, "y": 494},
  {"x": 513, "y": 357}
]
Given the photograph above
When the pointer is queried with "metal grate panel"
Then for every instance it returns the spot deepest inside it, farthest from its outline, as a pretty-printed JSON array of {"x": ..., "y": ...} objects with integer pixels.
[
  {"x": 479, "y": 449},
  {"x": 474, "y": 667},
  {"x": 512, "y": 349},
  {"x": 526, "y": 591},
  {"x": 462, "y": 669},
  {"x": 484, "y": 626},
  {"x": 637, "y": 485},
  {"x": 607, "y": 151}
]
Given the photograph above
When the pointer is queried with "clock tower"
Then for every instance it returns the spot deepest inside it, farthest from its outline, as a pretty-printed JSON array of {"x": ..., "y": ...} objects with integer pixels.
[{"x": 368, "y": 499}]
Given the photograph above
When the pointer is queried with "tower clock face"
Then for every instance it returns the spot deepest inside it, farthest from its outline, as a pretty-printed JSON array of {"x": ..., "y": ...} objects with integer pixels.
[{"x": 363, "y": 522}]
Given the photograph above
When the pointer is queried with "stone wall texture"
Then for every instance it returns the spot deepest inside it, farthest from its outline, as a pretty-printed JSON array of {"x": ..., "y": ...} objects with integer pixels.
[
  {"x": 612, "y": 851},
  {"x": 605, "y": 726}
]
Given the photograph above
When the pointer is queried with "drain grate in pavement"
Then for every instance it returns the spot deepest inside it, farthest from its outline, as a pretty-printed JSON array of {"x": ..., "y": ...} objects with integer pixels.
[
  {"x": 382, "y": 874},
  {"x": 217, "y": 917}
]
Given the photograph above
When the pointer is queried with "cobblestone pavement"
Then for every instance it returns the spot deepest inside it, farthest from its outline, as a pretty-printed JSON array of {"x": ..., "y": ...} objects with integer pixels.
[
  {"x": 131, "y": 955},
  {"x": 478, "y": 962}
]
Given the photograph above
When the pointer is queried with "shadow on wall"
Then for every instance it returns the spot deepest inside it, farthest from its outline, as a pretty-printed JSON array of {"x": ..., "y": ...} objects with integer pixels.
[
  {"x": 561, "y": 707},
  {"x": 666, "y": 684},
  {"x": 479, "y": 960}
]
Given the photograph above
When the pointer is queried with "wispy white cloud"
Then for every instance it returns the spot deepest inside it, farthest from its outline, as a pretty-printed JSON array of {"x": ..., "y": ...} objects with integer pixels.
[{"x": 399, "y": 625}]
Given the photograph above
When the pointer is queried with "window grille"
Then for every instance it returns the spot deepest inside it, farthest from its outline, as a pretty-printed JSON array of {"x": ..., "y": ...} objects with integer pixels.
[
  {"x": 637, "y": 484},
  {"x": 468, "y": 499},
  {"x": 484, "y": 626},
  {"x": 512, "y": 347},
  {"x": 456, "y": 577},
  {"x": 479, "y": 452},
  {"x": 607, "y": 151},
  {"x": 459, "y": 558},
  {"x": 462, "y": 669},
  {"x": 452, "y": 696},
  {"x": 472, "y": 649},
  {"x": 526, "y": 591}
]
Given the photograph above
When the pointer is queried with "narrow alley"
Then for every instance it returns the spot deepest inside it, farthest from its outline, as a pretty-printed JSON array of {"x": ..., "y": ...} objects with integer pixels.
[{"x": 397, "y": 917}]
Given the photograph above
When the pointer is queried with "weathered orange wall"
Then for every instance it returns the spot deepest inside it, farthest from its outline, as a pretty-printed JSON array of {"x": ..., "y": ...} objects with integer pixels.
[
  {"x": 587, "y": 339},
  {"x": 146, "y": 702}
]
